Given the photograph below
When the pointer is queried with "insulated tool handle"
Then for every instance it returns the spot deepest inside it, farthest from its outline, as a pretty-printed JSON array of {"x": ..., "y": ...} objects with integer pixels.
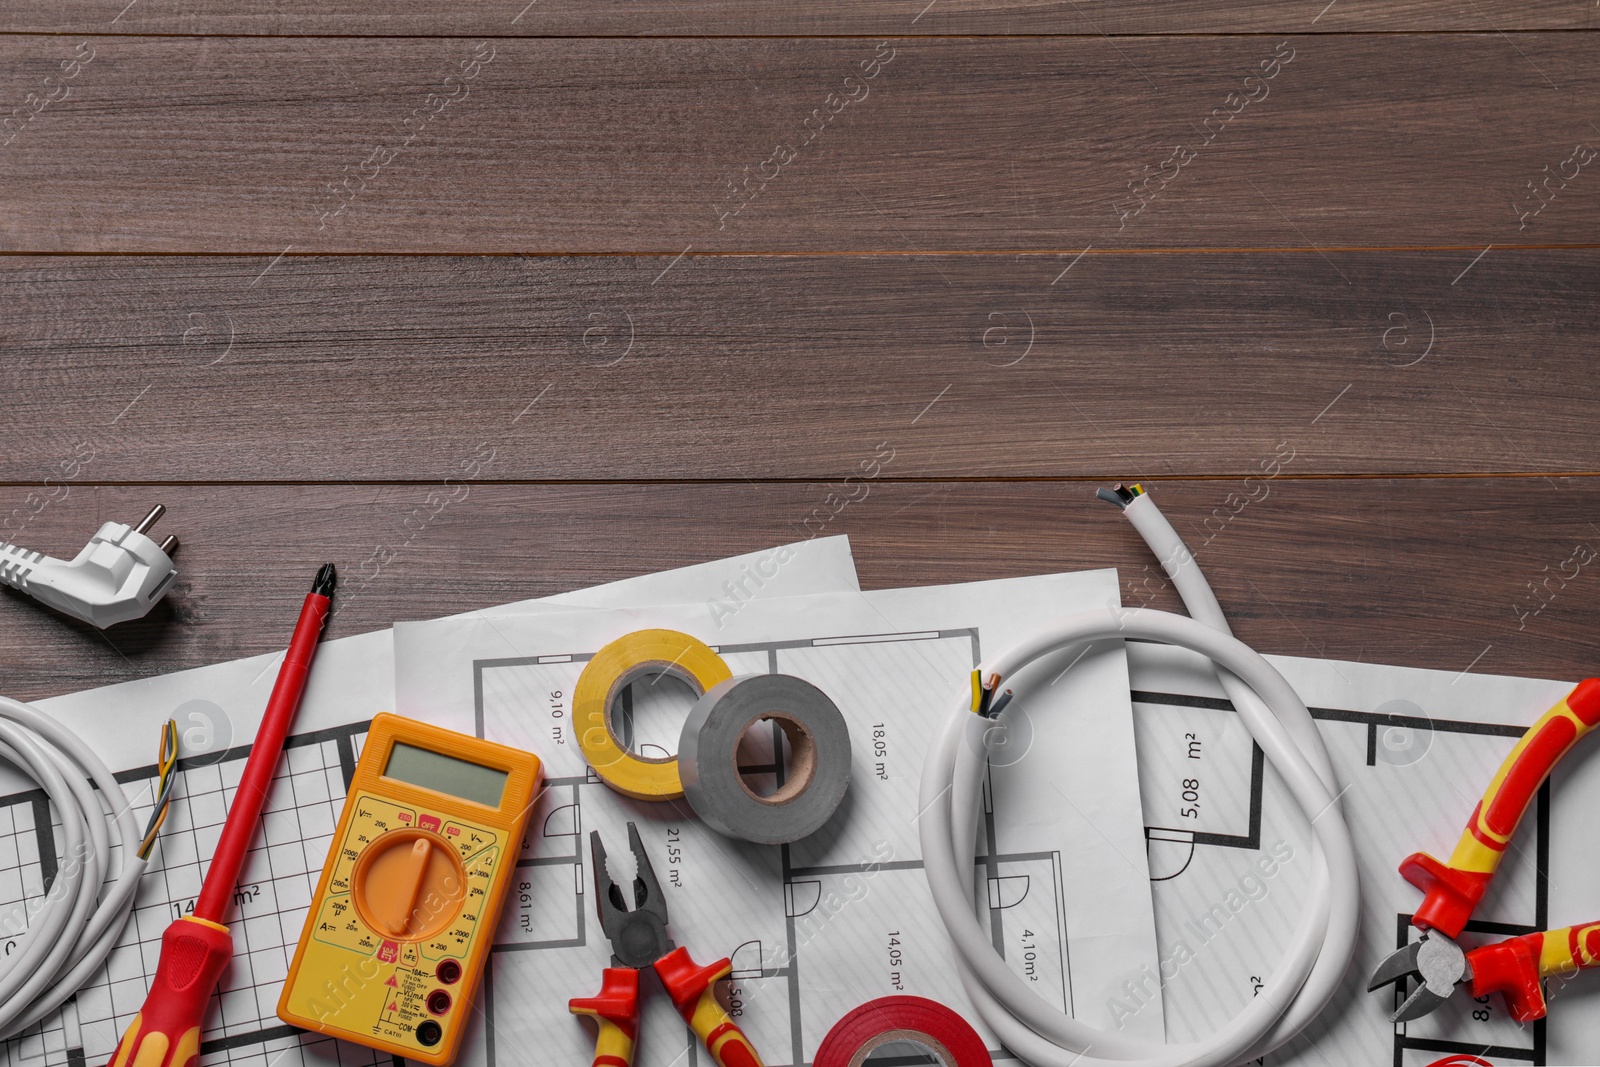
[
  {"x": 166, "y": 1032},
  {"x": 693, "y": 989},
  {"x": 1515, "y": 967},
  {"x": 1451, "y": 891},
  {"x": 616, "y": 1009}
]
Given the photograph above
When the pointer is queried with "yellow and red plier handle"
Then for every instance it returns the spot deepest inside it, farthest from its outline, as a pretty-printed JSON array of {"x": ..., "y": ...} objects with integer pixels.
[
  {"x": 1516, "y": 968},
  {"x": 616, "y": 1009},
  {"x": 1452, "y": 890},
  {"x": 693, "y": 991}
]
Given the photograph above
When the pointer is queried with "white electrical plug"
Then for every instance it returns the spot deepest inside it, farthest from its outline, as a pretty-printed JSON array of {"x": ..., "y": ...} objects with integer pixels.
[{"x": 119, "y": 575}]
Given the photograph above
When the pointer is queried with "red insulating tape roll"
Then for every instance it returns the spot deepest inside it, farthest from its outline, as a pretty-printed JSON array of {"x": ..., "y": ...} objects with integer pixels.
[{"x": 878, "y": 1022}]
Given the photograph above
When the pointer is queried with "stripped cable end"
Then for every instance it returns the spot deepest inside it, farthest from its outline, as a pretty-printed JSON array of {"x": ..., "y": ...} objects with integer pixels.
[
  {"x": 1120, "y": 495},
  {"x": 983, "y": 694},
  {"x": 167, "y": 775}
]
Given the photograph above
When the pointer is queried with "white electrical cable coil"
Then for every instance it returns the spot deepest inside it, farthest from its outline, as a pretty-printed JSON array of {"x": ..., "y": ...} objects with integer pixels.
[
  {"x": 77, "y": 922},
  {"x": 1320, "y": 950}
]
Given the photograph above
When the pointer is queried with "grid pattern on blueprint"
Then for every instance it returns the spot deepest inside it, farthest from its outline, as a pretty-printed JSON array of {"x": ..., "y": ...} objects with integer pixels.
[
  {"x": 265, "y": 918},
  {"x": 24, "y": 825}
]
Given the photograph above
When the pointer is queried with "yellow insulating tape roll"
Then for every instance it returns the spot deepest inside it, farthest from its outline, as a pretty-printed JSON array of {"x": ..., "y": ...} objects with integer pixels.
[{"x": 616, "y": 666}]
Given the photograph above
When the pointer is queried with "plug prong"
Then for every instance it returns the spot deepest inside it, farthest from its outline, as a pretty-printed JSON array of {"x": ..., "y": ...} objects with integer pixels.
[
  {"x": 150, "y": 519},
  {"x": 169, "y": 544}
]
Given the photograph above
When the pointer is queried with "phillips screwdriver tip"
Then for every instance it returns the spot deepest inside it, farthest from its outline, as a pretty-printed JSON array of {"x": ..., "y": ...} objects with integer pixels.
[{"x": 325, "y": 580}]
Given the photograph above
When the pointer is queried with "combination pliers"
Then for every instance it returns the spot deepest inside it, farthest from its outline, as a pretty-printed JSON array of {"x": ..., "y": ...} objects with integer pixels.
[{"x": 638, "y": 940}]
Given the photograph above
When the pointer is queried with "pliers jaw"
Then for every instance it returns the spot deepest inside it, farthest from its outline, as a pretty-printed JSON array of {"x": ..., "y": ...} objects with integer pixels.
[
  {"x": 1435, "y": 963},
  {"x": 638, "y": 937}
]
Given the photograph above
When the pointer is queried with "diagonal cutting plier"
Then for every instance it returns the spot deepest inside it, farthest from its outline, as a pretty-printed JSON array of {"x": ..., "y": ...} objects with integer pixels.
[
  {"x": 1517, "y": 966},
  {"x": 639, "y": 940}
]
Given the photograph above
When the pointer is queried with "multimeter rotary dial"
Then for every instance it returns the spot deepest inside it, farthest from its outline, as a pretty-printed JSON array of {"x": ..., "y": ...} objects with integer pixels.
[{"x": 408, "y": 884}]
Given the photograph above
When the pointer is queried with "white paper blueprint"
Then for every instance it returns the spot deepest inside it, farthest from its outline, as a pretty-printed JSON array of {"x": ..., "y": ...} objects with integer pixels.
[
  {"x": 218, "y": 709},
  {"x": 811, "y": 933},
  {"x": 1415, "y": 750}
]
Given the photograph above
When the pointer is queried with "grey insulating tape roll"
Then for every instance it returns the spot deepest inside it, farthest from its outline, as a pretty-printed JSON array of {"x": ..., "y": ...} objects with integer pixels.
[{"x": 819, "y": 760}]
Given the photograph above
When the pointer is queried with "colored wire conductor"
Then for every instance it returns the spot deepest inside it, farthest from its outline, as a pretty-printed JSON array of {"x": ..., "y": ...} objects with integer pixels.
[
  {"x": 167, "y": 769},
  {"x": 999, "y": 704},
  {"x": 1120, "y": 495},
  {"x": 984, "y": 702}
]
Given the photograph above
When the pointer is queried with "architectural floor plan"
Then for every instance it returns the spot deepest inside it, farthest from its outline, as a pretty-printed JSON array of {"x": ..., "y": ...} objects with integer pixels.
[
  {"x": 816, "y": 927},
  {"x": 1414, "y": 750}
]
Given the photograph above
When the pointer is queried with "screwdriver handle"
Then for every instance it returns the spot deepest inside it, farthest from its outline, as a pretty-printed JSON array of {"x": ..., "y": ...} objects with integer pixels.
[
  {"x": 1452, "y": 890},
  {"x": 1516, "y": 966},
  {"x": 693, "y": 990},
  {"x": 616, "y": 1009},
  {"x": 166, "y": 1032}
]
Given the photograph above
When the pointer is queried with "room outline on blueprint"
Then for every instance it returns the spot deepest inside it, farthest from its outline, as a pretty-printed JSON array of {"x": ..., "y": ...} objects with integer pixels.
[{"x": 1404, "y": 771}]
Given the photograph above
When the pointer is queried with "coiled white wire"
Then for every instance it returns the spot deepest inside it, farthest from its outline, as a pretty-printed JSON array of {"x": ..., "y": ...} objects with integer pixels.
[
  {"x": 76, "y": 924},
  {"x": 1320, "y": 950}
]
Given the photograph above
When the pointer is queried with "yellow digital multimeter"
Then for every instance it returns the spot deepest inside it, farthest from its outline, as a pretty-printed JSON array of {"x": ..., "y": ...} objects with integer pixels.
[{"x": 403, "y": 917}]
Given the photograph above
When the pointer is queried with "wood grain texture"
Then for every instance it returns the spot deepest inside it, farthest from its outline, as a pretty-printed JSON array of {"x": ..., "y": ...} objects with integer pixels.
[
  {"x": 339, "y": 368},
  {"x": 576, "y": 314},
  {"x": 648, "y": 18},
  {"x": 242, "y": 144},
  {"x": 1428, "y": 573}
]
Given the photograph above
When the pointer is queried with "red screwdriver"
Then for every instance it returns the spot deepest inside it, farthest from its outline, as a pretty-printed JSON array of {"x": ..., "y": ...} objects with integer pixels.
[{"x": 196, "y": 948}]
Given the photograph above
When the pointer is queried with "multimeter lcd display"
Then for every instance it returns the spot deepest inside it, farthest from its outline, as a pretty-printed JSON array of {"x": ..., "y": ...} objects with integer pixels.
[{"x": 445, "y": 774}]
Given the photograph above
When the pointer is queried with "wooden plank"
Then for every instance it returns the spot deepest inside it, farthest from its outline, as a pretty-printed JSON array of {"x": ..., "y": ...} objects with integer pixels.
[
  {"x": 594, "y": 145},
  {"x": 333, "y": 369},
  {"x": 649, "y": 18},
  {"x": 1444, "y": 573}
]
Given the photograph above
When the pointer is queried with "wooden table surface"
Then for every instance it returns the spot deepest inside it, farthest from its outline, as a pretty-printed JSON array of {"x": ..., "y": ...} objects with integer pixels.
[{"x": 490, "y": 300}]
